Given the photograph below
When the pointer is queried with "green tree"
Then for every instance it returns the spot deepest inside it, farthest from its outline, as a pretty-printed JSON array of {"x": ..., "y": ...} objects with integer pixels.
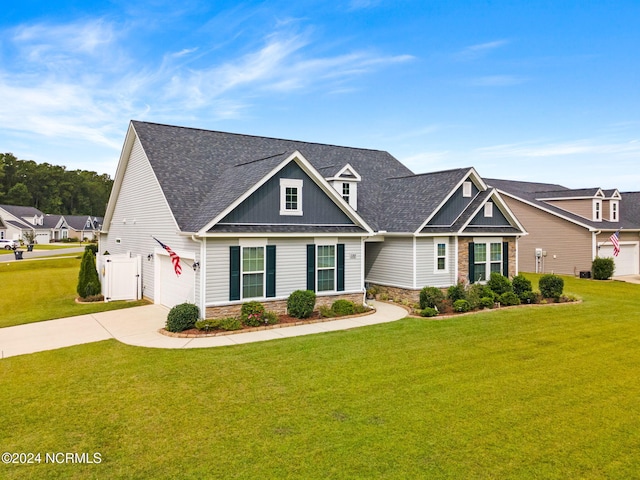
[
  {"x": 88, "y": 279},
  {"x": 18, "y": 195}
]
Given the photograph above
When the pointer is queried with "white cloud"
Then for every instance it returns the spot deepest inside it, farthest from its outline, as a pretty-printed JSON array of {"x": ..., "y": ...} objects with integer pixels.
[
  {"x": 578, "y": 147},
  {"x": 473, "y": 52}
]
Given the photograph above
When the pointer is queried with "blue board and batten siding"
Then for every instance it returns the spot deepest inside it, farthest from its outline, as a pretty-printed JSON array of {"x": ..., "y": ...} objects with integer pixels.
[
  {"x": 140, "y": 213},
  {"x": 263, "y": 205},
  {"x": 498, "y": 219},
  {"x": 453, "y": 207},
  {"x": 290, "y": 262}
]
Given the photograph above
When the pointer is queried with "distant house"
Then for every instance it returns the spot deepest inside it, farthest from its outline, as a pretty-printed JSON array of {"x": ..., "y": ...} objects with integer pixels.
[
  {"x": 82, "y": 227},
  {"x": 568, "y": 228},
  {"x": 255, "y": 218}
]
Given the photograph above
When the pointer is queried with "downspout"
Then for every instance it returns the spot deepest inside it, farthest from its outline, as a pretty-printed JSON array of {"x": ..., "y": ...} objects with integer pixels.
[
  {"x": 202, "y": 268},
  {"x": 594, "y": 244}
]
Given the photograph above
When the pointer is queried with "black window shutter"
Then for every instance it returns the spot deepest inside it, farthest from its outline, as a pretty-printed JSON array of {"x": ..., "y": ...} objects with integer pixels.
[
  {"x": 505, "y": 259},
  {"x": 234, "y": 273},
  {"x": 271, "y": 270},
  {"x": 472, "y": 261},
  {"x": 311, "y": 267},
  {"x": 340, "y": 265}
]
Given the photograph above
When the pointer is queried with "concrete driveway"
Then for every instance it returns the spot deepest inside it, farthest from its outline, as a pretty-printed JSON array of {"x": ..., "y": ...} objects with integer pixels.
[
  {"x": 628, "y": 278},
  {"x": 139, "y": 326}
]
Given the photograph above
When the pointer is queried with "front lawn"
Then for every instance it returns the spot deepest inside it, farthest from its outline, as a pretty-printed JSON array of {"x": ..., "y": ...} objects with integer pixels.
[
  {"x": 534, "y": 392},
  {"x": 38, "y": 290}
]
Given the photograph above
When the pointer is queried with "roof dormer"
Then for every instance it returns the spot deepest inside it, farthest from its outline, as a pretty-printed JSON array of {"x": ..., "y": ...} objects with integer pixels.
[{"x": 346, "y": 184}]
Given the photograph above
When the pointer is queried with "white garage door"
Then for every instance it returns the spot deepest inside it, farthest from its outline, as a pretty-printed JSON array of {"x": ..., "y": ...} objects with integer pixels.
[
  {"x": 627, "y": 260},
  {"x": 174, "y": 289}
]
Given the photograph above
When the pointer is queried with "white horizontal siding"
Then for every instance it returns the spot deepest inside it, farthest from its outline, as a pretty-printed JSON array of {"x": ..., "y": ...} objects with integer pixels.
[
  {"x": 291, "y": 265},
  {"x": 425, "y": 263},
  {"x": 217, "y": 275},
  {"x": 390, "y": 262},
  {"x": 140, "y": 212},
  {"x": 353, "y": 281}
]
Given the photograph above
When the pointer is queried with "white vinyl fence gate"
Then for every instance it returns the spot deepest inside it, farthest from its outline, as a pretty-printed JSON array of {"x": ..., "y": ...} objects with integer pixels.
[{"x": 120, "y": 275}]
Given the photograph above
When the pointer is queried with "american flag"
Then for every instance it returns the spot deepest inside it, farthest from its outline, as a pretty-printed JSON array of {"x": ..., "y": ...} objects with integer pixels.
[
  {"x": 175, "y": 259},
  {"x": 614, "y": 239}
]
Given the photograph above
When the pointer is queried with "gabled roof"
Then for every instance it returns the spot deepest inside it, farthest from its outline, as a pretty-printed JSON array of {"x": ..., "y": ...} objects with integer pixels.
[
  {"x": 535, "y": 195},
  {"x": 571, "y": 193},
  {"x": 19, "y": 211}
]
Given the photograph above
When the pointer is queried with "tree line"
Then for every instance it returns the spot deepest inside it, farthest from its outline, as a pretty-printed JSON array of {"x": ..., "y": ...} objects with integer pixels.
[{"x": 53, "y": 188}]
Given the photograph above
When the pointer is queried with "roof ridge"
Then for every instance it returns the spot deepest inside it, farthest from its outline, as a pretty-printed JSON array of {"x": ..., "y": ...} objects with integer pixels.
[
  {"x": 259, "y": 159},
  {"x": 424, "y": 174}
]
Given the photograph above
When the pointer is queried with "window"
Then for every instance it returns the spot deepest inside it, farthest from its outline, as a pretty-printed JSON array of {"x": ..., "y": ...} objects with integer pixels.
[
  {"x": 466, "y": 189},
  {"x": 346, "y": 191},
  {"x": 488, "y": 210},
  {"x": 487, "y": 258},
  {"x": 614, "y": 211},
  {"x": 290, "y": 196},
  {"x": 597, "y": 207},
  {"x": 496, "y": 257},
  {"x": 253, "y": 272},
  {"x": 480, "y": 260},
  {"x": 441, "y": 257},
  {"x": 326, "y": 268}
]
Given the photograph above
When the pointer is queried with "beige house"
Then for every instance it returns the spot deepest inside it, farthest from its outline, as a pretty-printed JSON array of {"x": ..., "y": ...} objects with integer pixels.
[{"x": 568, "y": 228}]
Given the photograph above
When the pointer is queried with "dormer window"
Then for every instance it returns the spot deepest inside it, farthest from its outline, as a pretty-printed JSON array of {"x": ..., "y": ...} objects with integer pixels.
[
  {"x": 466, "y": 189},
  {"x": 597, "y": 210},
  {"x": 345, "y": 182},
  {"x": 488, "y": 210},
  {"x": 290, "y": 196},
  {"x": 345, "y": 191},
  {"x": 613, "y": 213}
]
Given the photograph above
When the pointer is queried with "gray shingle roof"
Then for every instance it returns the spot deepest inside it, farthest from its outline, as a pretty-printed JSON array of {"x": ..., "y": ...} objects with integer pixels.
[
  {"x": 202, "y": 172},
  {"x": 20, "y": 211}
]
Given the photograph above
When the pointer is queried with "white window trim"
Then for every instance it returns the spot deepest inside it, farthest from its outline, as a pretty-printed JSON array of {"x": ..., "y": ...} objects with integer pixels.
[
  {"x": 597, "y": 210},
  {"x": 290, "y": 183},
  {"x": 249, "y": 244},
  {"x": 437, "y": 242},
  {"x": 466, "y": 189},
  {"x": 346, "y": 196},
  {"x": 614, "y": 211},
  {"x": 488, "y": 241},
  {"x": 335, "y": 267},
  {"x": 488, "y": 210}
]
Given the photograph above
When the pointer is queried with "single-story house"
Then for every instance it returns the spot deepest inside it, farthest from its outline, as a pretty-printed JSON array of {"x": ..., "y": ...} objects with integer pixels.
[
  {"x": 569, "y": 228},
  {"x": 20, "y": 220},
  {"x": 255, "y": 218}
]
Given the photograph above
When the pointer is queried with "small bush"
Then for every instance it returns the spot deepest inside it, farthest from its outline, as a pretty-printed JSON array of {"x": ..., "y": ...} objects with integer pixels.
[
  {"x": 528, "y": 297},
  {"x": 551, "y": 286},
  {"x": 476, "y": 292},
  {"x": 182, "y": 317},
  {"x": 456, "y": 292},
  {"x": 461, "y": 305},
  {"x": 486, "y": 302},
  {"x": 252, "y": 314},
  {"x": 343, "y": 307},
  {"x": 508, "y": 298},
  {"x": 499, "y": 284},
  {"x": 520, "y": 285},
  {"x": 208, "y": 325},
  {"x": 602, "y": 268},
  {"x": 431, "y": 297},
  {"x": 301, "y": 303},
  {"x": 326, "y": 312},
  {"x": 428, "y": 312},
  {"x": 231, "y": 323},
  {"x": 88, "y": 278}
]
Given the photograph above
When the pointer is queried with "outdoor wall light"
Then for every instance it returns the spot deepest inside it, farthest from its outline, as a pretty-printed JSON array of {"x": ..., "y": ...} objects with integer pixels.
[
  {"x": 195, "y": 266},
  {"x": 150, "y": 256}
]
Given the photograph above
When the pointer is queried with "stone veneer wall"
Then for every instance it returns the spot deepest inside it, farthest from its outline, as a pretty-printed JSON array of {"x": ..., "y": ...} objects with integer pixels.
[
  {"x": 397, "y": 294},
  {"x": 280, "y": 306},
  {"x": 463, "y": 256}
]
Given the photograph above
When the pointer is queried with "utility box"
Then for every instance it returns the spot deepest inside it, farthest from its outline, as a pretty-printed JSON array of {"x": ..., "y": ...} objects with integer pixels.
[{"x": 585, "y": 274}]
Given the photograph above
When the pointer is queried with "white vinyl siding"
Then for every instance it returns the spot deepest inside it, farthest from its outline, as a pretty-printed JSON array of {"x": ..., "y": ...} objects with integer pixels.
[
  {"x": 391, "y": 262},
  {"x": 427, "y": 273},
  {"x": 140, "y": 213}
]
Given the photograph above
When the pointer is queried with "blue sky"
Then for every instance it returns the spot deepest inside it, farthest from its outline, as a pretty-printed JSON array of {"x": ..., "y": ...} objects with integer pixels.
[{"x": 530, "y": 90}]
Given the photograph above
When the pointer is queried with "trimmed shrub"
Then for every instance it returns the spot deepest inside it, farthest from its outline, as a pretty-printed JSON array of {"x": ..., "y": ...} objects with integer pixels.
[
  {"x": 88, "y": 279},
  {"x": 208, "y": 324},
  {"x": 476, "y": 292},
  {"x": 486, "y": 302},
  {"x": 528, "y": 297},
  {"x": 93, "y": 247},
  {"x": 252, "y": 314},
  {"x": 431, "y": 297},
  {"x": 270, "y": 318},
  {"x": 461, "y": 305},
  {"x": 551, "y": 286},
  {"x": 499, "y": 284},
  {"x": 456, "y": 292},
  {"x": 428, "y": 312},
  {"x": 508, "y": 298},
  {"x": 520, "y": 285},
  {"x": 301, "y": 303},
  {"x": 182, "y": 317},
  {"x": 602, "y": 268},
  {"x": 343, "y": 307}
]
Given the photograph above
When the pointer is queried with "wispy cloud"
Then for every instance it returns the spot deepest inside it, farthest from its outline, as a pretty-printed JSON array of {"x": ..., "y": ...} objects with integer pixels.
[
  {"x": 558, "y": 149},
  {"x": 479, "y": 50},
  {"x": 496, "y": 81}
]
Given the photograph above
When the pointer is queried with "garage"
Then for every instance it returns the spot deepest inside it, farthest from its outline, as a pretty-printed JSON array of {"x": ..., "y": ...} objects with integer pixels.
[
  {"x": 626, "y": 262},
  {"x": 172, "y": 289}
]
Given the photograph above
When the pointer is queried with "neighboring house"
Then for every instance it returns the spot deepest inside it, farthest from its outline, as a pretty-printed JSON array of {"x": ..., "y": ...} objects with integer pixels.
[
  {"x": 256, "y": 218},
  {"x": 82, "y": 227},
  {"x": 20, "y": 220},
  {"x": 568, "y": 228}
]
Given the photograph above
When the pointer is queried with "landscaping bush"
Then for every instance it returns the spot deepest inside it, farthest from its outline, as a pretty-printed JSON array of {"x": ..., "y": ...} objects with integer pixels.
[
  {"x": 343, "y": 307},
  {"x": 508, "y": 298},
  {"x": 477, "y": 292},
  {"x": 486, "y": 302},
  {"x": 456, "y": 292},
  {"x": 602, "y": 268},
  {"x": 431, "y": 297},
  {"x": 252, "y": 314},
  {"x": 461, "y": 305},
  {"x": 551, "y": 286},
  {"x": 270, "y": 318},
  {"x": 499, "y": 284},
  {"x": 93, "y": 247},
  {"x": 182, "y": 317},
  {"x": 529, "y": 297},
  {"x": 301, "y": 303},
  {"x": 209, "y": 324},
  {"x": 429, "y": 312},
  {"x": 88, "y": 279},
  {"x": 520, "y": 285}
]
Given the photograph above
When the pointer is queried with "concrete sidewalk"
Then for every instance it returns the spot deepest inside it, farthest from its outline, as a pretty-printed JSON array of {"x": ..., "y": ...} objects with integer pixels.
[{"x": 139, "y": 326}]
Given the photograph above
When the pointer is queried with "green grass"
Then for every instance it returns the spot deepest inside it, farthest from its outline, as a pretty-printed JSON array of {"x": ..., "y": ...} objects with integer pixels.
[
  {"x": 38, "y": 290},
  {"x": 534, "y": 392}
]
